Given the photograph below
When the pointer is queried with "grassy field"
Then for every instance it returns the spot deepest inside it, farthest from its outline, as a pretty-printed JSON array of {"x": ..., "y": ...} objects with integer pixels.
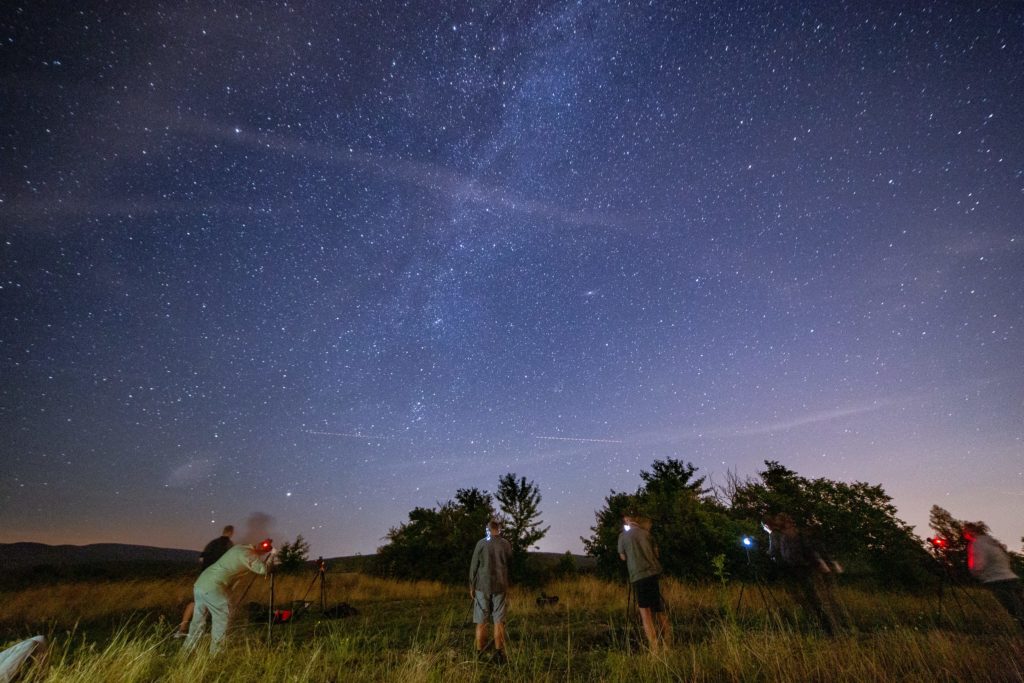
[{"x": 119, "y": 631}]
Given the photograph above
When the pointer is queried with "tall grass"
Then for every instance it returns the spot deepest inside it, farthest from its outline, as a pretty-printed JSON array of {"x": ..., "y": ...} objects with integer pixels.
[{"x": 419, "y": 632}]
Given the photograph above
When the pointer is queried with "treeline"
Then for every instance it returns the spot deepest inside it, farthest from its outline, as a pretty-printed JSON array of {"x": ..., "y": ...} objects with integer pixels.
[
  {"x": 436, "y": 543},
  {"x": 699, "y": 529}
]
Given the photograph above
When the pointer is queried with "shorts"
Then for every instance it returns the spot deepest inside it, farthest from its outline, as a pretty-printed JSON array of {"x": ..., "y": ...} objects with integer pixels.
[
  {"x": 648, "y": 594},
  {"x": 488, "y": 607}
]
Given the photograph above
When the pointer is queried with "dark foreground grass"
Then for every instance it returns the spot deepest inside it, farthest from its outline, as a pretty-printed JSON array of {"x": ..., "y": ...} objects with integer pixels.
[{"x": 420, "y": 632}]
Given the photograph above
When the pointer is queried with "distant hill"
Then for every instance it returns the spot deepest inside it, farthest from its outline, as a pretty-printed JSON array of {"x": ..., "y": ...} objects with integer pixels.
[
  {"x": 24, "y": 555},
  {"x": 28, "y": 564}
]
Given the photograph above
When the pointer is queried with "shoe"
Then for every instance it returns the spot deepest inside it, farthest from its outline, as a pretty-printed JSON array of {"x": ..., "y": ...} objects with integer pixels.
[
  {"x": 180, "y": 634},
  {"x": 499, "y": 657}
]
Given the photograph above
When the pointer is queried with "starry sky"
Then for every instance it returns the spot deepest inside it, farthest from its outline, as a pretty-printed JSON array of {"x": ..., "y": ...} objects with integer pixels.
[{"x": 332, "y": 261}]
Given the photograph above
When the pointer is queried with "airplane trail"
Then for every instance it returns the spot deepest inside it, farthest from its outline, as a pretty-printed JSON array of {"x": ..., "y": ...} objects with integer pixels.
[
  {"x": 348, "y": 435},
  {"x": 568, "y": 438}
]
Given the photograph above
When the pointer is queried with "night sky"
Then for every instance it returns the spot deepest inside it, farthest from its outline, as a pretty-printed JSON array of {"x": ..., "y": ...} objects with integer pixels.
[{"x": 332, "y": 262}]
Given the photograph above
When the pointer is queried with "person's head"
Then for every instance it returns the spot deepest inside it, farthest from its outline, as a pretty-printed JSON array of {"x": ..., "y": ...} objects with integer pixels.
[
  {"x": 972, "y": 530},
  {"x": 780, "y": 521},
  {"x": 632, "y": 518},
  {"x": 494, "y": 526},
  {"x": 228, "y": 531}
]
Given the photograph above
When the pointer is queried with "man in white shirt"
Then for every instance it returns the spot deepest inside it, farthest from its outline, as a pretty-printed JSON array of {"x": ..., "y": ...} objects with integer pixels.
[{"x": 212, "y": 587}]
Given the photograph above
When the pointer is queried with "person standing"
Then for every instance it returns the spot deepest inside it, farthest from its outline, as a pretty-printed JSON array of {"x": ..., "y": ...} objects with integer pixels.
[
  {"x": 488, "y": 585},
  {"x": 217, "y": 547},
  {"x": 637, "y": 550},
  {"x": 211, "y": 591},
  {"x": 803, "y": 568},
  {"x": 210, "y": 554},
  {"x": 989, "y": 563}
]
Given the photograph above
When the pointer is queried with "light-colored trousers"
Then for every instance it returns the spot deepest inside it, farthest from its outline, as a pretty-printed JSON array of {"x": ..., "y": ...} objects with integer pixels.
[{"x": 215, "y": 603}]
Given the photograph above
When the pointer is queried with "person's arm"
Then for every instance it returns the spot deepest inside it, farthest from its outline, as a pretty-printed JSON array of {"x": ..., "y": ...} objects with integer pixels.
[
  {"x": 977, "y": 557},
  {"x": 255, "y": 564},
  {"x": 622, "y": 549},
  {"x": 204, "y": 554},
  {"x": 474, "y": 567}
]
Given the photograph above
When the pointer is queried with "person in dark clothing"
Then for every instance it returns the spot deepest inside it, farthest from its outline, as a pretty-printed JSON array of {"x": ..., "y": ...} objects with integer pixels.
[
  {"x": 217, "y": 547},
  {"x": 213, "y": 551},
  {"x": 803, "y": 567},
  {"x": 488, "y": 585}
]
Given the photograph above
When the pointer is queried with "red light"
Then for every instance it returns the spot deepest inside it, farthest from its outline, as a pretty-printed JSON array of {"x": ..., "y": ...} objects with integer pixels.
[
  {"x": 267, "y": 545},
  {"x": 939, "y": 542}
]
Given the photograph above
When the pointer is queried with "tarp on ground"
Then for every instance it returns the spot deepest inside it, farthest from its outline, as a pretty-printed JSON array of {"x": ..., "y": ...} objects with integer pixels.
[{"x": 17, "y": 656}]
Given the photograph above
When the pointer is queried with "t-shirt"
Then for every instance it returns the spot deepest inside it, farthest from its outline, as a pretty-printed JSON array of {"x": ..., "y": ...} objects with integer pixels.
[
  {"x": 230, "y": 567},
  {"x": 987, "y": 561},
  {"x": 791, "y": 548},
  {"x": 641, "y": 560},
  {"x": 488, "y": 572},
  {"x": 213, "y": 550}
]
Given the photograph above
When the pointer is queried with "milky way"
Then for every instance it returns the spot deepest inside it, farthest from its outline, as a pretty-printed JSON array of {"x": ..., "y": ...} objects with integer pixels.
[{"x": 331, "y": 263}]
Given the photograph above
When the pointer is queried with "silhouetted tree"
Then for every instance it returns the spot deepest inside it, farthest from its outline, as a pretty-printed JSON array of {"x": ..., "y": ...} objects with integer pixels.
[
  {"x": 293, "y": 556},
  {"x": 566, "y": 566},
  {"x": 436, "y": 543},
  {"x": 519, "y": 502},
  {"x": 854, "y": 523},
  {"x": 690, "y": 527}
]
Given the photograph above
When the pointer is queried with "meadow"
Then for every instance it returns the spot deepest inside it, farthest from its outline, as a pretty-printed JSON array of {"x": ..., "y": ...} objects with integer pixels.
[{"x": 120, "y": 631}]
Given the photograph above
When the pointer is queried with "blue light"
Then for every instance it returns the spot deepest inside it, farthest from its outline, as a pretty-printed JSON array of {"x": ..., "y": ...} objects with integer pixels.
[{"x": 747, "y": 542}]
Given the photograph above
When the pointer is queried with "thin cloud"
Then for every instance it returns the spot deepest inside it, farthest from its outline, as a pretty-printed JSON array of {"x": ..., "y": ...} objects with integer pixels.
[
  {"x": 437, "y": 179},
  {"x": 811, "y": 418},
  {"x": 190, "y": 473}
]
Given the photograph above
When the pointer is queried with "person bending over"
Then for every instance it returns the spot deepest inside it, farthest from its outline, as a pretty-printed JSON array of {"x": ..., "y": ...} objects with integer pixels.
[
  {"x": 211, "y": 590},
  {"x": 210, "y": 554}
]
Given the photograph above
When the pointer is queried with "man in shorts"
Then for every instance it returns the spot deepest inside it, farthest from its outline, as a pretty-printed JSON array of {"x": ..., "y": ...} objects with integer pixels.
[
  {"x": 488, "y": 584},
  {"x": 638, "y": 551}
]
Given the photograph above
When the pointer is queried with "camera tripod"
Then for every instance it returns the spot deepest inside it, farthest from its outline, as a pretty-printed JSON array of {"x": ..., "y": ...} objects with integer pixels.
[
  {"x": 632, "y": 615},
  {"x": 321, "y": 576},
  {"x": 947, "y": 579},
  {"x": 270, "y": 608},
  {"x": 273, "y": 587},
  {"x": 766, "y": 598}
]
